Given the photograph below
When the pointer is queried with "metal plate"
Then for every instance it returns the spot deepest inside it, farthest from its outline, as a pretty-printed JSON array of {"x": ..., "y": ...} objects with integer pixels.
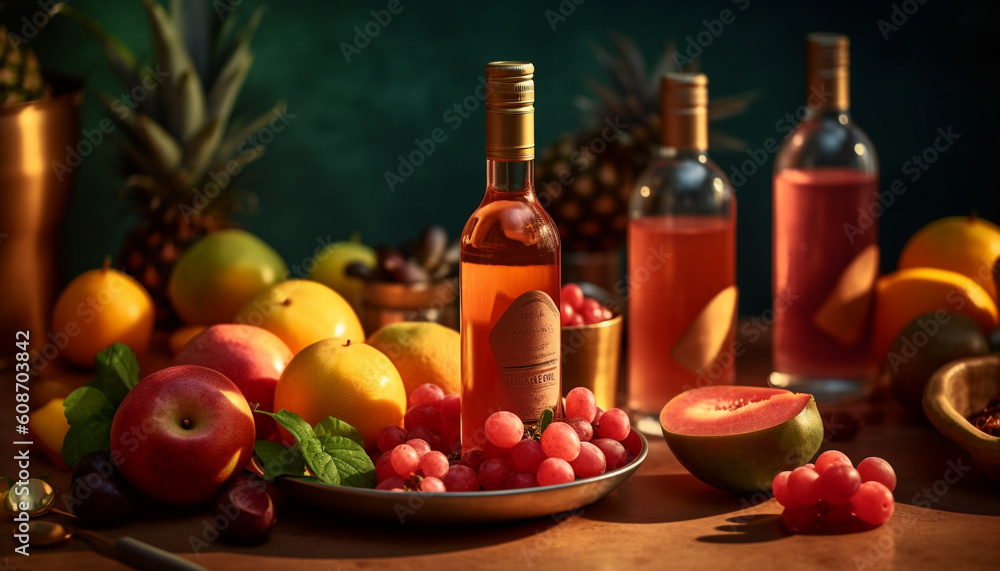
[{"x": 461, "y": 507}]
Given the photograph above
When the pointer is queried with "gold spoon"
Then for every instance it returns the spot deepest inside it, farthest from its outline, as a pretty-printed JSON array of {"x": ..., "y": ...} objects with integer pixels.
[
  {"x": 36, "y": 498},
  {"x": 125, "y": 549}
]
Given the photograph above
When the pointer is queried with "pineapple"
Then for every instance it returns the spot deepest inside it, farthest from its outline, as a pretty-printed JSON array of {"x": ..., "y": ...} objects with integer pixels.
[
  {"x": 585, "y": 178},
  {"x": 20, "y": 77},
  {"x": 180, "y": 153}
]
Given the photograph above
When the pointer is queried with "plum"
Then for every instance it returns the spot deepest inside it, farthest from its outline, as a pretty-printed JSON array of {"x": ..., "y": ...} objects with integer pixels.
[
  {"x": 102, "y": 501},
  {"x": 244, "y": 514}
]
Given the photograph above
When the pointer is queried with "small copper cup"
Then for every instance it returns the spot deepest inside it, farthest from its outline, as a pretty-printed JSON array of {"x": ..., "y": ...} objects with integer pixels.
[
  {"x": 591, "y": 354},
  {"x": 388, "y": 302}
]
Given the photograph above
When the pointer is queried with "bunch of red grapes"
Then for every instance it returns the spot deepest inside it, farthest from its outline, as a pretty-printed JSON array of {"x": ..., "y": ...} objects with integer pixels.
[
  {"x": 832, "y": 492},
  {"x": 577, "y": 309},
  {"x": 427, "y": 457}
]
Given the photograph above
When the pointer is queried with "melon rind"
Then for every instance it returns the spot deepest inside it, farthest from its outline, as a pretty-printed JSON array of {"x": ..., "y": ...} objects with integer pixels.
[{"x": 748, "y": 462}]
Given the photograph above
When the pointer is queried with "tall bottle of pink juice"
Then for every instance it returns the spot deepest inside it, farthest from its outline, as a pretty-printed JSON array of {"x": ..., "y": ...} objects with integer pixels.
[
  {"x": 681, "y": 261},
  {"x": 825, "y": 240}
]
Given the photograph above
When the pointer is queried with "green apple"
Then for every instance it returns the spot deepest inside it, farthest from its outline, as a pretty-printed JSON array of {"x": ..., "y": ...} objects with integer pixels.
[{"x": 331, "y": 262}]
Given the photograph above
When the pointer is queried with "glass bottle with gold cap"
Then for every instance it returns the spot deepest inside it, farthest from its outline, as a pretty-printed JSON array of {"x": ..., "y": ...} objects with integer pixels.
[
  {"x": 681, "y": 260},
  {"x": 509, "y": 271},
  {"x": 825, "y": 250}
]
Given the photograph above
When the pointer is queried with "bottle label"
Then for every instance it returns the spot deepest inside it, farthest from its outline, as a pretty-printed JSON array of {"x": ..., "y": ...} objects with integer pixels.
[{"x": 525, "y": 344}]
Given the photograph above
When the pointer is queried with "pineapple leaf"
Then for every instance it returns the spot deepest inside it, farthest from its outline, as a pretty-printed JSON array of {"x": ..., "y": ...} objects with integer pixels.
[
  {"x": 239, "y": 162},
  {"x": 725, "y": 107},
  {"x": 195, "y": 27},
  {"x": 201, "y": 148},
  {"x": 667, "y": 63},
  {"x": 229, "y": 40},
  {"x": 236, "y": 137},
  {"x": 133, "y": 154},
  {"x": 228, "y": 84},
  {"x": 185, "y": 99},
  {"x": 123, "y": 61},
  {"x": 722, "y": 141},
  {"x": 161, "y": 145}
]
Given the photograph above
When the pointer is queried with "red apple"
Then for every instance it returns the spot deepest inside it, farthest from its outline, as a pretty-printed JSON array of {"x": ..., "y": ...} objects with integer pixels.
[
  {"x": 253, "y": 359},
  {"x": 181, "y": 433}
]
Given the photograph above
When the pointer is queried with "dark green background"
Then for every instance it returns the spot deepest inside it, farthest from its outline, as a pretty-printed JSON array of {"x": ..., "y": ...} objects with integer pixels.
[{"x": 324, "y": 175}]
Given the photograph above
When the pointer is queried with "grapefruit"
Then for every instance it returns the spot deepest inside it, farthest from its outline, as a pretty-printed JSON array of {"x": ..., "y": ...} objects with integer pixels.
[
  {"x": 968, "y": 245},
  {"x": 422, "y": 352},
  {"x": 349, "y": 381},
  {"x": 302, "y": 312},
  {"x": 737, "y": 438}
]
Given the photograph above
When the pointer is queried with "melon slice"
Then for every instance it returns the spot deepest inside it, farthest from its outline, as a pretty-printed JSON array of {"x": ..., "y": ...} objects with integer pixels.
[
  {"x": 844, "y": 313},
  {"x": 738, "y": 438},
  {"x": 699, "y": 345}
]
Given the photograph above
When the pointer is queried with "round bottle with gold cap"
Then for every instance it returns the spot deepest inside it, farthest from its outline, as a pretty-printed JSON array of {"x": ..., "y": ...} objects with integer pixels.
[
  {"x": 825, "y": 237},
  {"x": 509, "y": 271},
  {"x": 681, "y": 260}
]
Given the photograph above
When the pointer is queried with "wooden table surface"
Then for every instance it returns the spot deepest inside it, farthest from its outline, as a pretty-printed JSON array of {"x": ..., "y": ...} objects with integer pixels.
[{"x": 947, "y": 517}]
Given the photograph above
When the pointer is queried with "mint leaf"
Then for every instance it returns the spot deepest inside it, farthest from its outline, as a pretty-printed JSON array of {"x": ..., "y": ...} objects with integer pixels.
[
  {"x": 335, "y": 427},
  {"x": 291, "y": 422},
  {"x": 320, "y": 463},
  {"x": 84, "y": 437},
  {"x": 90, "y": 409},
  {"x": 353, "y": 463},
  {"x": 278, "y": 460},
  {"x": 86, "y": 402},
  {"x": 330, "y": 451},
  {"x": 117, "y": 371}
]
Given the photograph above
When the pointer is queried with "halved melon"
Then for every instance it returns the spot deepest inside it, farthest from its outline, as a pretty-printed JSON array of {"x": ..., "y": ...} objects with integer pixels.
[{"x": 738, "y": 438}]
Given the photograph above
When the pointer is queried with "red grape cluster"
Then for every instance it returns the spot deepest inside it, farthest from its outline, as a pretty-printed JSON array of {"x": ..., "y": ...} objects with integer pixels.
[
  {"x": 587, "y": 443},
  {"x": 578, "y": 309},
  {"x": 832, "y": 492}
]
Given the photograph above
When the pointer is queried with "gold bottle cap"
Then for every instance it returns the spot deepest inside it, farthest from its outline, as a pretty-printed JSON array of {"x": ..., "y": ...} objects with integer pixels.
[
  {"x": 510, "y": 112},
  {"x": 828, "y": 64},
  {"x": 684, "y": 108}
]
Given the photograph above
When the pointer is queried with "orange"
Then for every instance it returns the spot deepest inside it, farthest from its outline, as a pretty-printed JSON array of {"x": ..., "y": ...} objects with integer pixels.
[
  {"x": 49, "y": 428},
  {"x": 903, "y": 295},
  {"x": 98, "y": 308},
  {"x": 219, "y": 273},
  {"x": 968, "y": 245},
  {"x": 302, "y": 312},
  {"x": 422, "y": 352},
  {"x": 352, "y": 382}
]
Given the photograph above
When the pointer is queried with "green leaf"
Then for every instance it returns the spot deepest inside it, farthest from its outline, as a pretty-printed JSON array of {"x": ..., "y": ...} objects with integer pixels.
[
  {"x": 278, "y": 460},
  {"x": 90, "y": 435},
  {"x": 185, "y": 101},
  {"x": 122, "y": 59},
  {"x": 319, "y": 462},
  {"x": 117, "y": 371},
  {"x": 291, "y": 422},
  {"x": 238, "y": 137},
  {"x": 334, "y": 457},
  {"x": 335, "y": 427},
  {"x": 353, "y": 464},
  {"x": 161, "y": 145},
  {"x": 195, "y": 25},
  {"x": 545, "y": 420},
  {"x": 86, "y": 402}
]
